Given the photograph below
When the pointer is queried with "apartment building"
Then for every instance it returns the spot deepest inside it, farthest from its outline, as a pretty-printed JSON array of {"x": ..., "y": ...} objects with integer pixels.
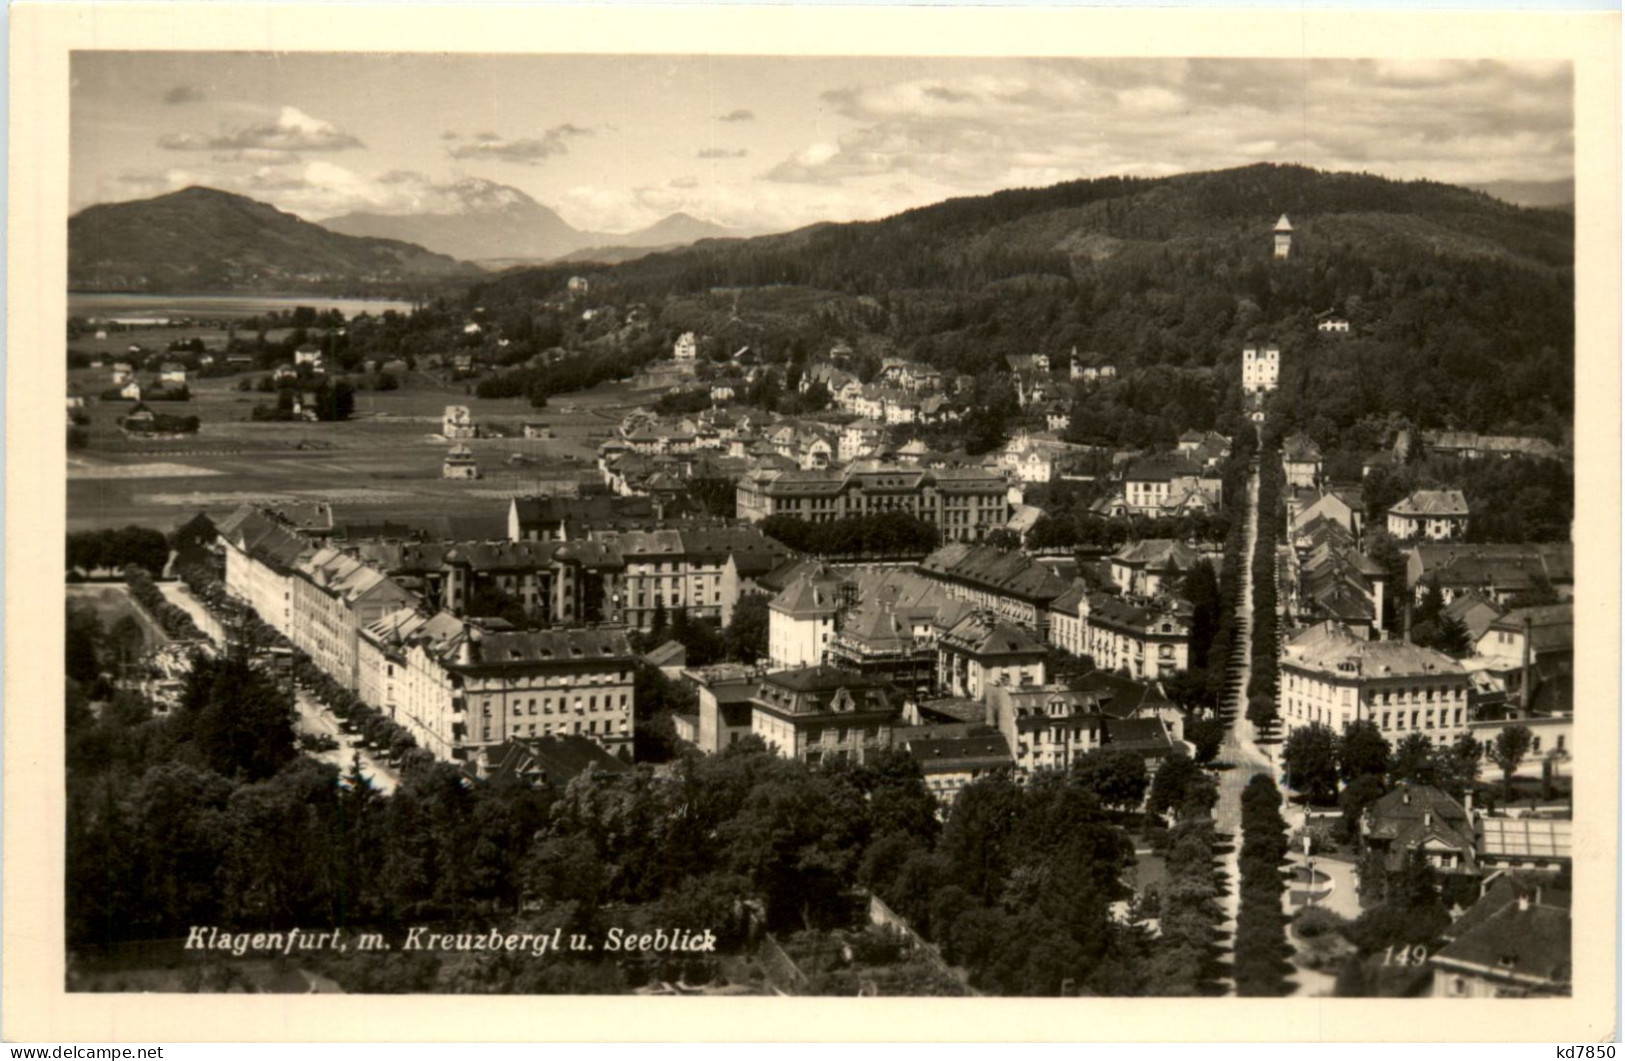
[
  {"x": 1331, "y": 677},
  {"x": 964, "y": 503}
]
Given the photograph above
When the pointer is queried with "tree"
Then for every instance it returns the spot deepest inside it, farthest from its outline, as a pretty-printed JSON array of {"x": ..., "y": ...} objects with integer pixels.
[
  {"x": 1453, "y": 637},
  {"x": 240, "y": 722},
  {"x": 1510, "y": 746},
  {"x": 798, "y": 838},
  {"x": 1116, "y": 777},
  {"x": 1414, "y": 760},
  {"x": 1310, "y": 758},
  {"x": 1206, "y": 736},
  {"x": 1180, "y": 785},
  {"x": 746, "y": 636},
  {"x": 1356, "y": 796},
  {"x": 1457, "y": 766},
  {"x": 1261, "y": 711},
  {"x": 1201, "y": 588},
  {"x": 1361, "y": 750}
]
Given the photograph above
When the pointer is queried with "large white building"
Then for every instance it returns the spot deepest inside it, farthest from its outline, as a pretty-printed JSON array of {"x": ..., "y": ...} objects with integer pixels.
[
  {"x": 802, "y": 620},
  {"x": 1331, "y": 677},
  {"x": 458, "y": 688},
  {"x": 686, "y": 348},
  {"x": 1260, "y": 369}
]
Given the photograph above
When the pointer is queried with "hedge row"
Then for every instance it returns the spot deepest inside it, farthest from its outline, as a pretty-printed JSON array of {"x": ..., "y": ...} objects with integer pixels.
[
  {"x": 1264, "y": 684},
  {"x": 175, "y": 620},
  {"x": 388, "y": 737},
  {"x": 1261, "y": 949},
  {"x": 1235, "y": 544}
]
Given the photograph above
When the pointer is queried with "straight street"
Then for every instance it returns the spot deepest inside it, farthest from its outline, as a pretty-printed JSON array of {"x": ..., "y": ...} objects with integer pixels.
[
  {"x": 177, "y": 594},
  {"x": 314, "y": 717},
  {"x": 1240, "y": 755}
]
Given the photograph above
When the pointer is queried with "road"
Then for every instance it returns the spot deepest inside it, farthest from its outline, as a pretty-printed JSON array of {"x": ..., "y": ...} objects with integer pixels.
[
  {"x": 177, "y": 594},
  {"x": 314, "y": 717},
  {"x": 1240, "y": 754}
]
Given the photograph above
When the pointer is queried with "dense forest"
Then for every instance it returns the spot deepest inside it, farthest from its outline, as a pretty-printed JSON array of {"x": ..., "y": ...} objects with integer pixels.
[{"x": 1461, "y": 306}]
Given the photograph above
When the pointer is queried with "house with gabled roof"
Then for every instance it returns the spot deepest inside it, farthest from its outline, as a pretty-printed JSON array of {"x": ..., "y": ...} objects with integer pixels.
[
  {"x": 1152, "y": 566},
  {"x": 1420, "y": 818},
  {"x": 1301, "y": 459},
  {"x": 1509, "y": 945},
  {"x": 1046, "y": 727},
  {"x": 802, "y": 618},
  {"x": 824, "y": 714},
  {"x": 982, "y": 651},
  {"x": 1433, "y": 515},
  {"x": 953, "y": 755}
]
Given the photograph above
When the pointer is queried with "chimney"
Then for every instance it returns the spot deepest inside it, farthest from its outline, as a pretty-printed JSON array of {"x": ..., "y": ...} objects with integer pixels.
[
  {"x": 1427, "y": 816},
  {"x": 1467, "y": 803},
  {"x": 1405, "y": 797},
  {"x": 1523, "y": 903},
  {"x": 1523, "y": 700}
]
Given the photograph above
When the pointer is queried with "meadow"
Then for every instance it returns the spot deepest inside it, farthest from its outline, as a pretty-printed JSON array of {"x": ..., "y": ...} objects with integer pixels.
[{"x": 383, "y": 463}]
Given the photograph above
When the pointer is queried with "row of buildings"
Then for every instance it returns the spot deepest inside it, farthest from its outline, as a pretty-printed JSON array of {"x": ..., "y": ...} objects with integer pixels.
[
  {"x": 971, "y": 617},
  {"x": 415, "y": 628},
  {"x": 829, "y": 713}
]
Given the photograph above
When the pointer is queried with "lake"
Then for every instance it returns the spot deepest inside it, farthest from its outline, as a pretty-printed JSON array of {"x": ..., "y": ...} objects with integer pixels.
[{"x": 214, "y": 307}]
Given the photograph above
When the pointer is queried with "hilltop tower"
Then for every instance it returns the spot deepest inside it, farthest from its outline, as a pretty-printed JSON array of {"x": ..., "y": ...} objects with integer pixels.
[{"x": 1283, "y": 237}]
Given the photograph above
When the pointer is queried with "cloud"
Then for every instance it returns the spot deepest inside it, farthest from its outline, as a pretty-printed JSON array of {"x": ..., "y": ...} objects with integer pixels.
[
  {"x": 528, "y": 151},
  {"x": 683, "y": 182},
  {"x": 449, "y": 135},
  {"x": 1007, "y": 125},
  {"x": 740, "y": 115},
  {"x": 293, "y": 130},
  {"x": 260, "y": 156},
  {"x": 182, "y": 94},
  {"x": 721, "y": 152}
]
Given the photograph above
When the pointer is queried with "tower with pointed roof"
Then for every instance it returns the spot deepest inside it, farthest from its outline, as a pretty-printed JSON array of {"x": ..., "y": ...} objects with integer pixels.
[{"x": 1283, "y": 237}]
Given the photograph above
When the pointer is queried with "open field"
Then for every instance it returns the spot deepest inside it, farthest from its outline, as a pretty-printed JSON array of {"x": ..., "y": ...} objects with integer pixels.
[
  {"x": 112, "y": 602},
  {"x": 384, "y": 463}
]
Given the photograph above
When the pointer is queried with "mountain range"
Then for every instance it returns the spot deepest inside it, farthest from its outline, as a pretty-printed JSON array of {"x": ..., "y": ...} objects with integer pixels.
[
  {"x": 201, "y": 239},
  {"x": 497, "y": 224}
]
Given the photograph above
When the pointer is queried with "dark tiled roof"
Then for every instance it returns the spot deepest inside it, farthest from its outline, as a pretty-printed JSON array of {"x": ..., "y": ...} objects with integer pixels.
[
  {"x": 953, "y": 754},
  {"x": 1408, "y": 804},
  {"x": 1526, "y": 944},
  {"x": 601, "y": 646},
  {"x": 981, "y": 634},
  {"x": 1121, "y": 697},
  {"x": 1147, "y": 736},
  {"x": 1007, "y": 573}
]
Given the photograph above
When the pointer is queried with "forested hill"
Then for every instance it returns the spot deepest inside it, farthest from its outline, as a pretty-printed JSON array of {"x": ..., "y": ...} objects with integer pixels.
[
  {"x": 201, "y": 239},
  {"x": 1462, "y": 305}
]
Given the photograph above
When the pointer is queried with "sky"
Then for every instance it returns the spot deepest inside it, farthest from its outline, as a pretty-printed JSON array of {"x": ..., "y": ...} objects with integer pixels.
[{"x": 616, "y": 142}]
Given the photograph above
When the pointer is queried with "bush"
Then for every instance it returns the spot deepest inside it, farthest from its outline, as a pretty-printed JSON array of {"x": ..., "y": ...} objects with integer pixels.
[{"x": 1318, "y": 921}]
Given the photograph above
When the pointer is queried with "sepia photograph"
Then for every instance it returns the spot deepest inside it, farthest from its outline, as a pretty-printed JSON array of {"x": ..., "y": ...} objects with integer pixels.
[{"x": 786, "y": 526}]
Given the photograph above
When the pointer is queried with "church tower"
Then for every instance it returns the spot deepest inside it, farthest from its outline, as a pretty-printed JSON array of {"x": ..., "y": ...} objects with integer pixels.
[{"x": 1283, "y": 237}]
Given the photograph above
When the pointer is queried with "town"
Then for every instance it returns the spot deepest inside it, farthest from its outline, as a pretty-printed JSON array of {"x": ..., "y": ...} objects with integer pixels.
[{"x": 878, "y": 670}]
